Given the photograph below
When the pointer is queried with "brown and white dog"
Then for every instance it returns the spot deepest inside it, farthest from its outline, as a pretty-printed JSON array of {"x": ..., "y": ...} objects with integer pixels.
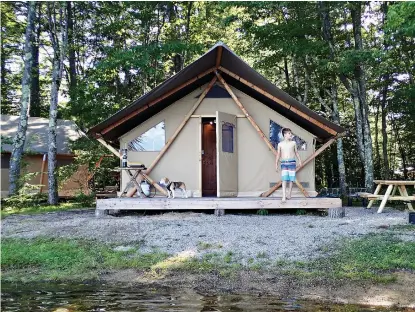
[{"x": 172, "y": 186}]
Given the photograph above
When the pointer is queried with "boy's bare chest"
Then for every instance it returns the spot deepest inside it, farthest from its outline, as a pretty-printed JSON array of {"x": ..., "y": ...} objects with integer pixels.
[{"x": 287, "y": 145}]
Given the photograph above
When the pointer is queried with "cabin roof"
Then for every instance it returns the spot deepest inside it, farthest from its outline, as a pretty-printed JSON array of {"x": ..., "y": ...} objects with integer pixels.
[{"x": 234, "y": 70}]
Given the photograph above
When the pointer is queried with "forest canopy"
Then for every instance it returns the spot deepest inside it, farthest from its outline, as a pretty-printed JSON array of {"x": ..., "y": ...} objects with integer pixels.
[{"x": 351, "y": 62}]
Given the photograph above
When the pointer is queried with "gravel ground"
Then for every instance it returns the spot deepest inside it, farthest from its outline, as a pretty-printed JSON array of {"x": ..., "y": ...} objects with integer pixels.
[{"x": 276, "y": 236}]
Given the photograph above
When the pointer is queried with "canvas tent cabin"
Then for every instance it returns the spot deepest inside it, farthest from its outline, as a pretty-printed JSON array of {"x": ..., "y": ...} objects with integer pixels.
[
  {"x": 36, "y": 147},
  {"x": 214, "y": 126}
]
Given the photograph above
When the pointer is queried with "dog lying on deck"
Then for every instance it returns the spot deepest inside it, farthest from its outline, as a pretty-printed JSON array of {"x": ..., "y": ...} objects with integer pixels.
[{"x": 172, "y": 186}]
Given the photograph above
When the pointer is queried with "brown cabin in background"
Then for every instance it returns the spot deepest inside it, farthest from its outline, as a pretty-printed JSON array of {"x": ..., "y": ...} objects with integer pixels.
[{"x": 36, "y": 148}]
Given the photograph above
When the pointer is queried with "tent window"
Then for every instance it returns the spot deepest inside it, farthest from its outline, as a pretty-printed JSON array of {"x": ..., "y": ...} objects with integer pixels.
[
  {"x": 227, "y": 137},
  {"x": 275, "y": 136},
  {"x": 152, "y": 140}
]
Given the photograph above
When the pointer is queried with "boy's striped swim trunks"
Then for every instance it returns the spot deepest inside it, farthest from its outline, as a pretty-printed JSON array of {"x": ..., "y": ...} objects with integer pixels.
[{"x": 288, "y": 170}]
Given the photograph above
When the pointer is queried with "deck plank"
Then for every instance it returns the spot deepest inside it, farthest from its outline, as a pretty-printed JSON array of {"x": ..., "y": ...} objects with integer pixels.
[{"x": 217, "y": 203}]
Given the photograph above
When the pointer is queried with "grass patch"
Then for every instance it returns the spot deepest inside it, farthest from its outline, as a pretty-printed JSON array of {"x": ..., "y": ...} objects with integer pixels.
[
  {"x": 403, "y": 227},
  {"x": 262, "y": 254},
  {"x": 373, "y": 257},
  {"x": 37, "y": 203},
  {"x": 63, "y": 259},
  {"x": 204, "y": 246},
  {"x": 40, "y": 209}
]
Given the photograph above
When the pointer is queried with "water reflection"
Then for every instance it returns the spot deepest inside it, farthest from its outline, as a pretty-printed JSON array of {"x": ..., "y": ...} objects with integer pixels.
[{"x": 102, "y": 297}]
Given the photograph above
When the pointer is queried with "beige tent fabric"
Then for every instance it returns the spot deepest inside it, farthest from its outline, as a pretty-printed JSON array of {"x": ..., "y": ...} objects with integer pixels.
[
  {"x": 256, "y": 163},
  {"x": 227, "y": 163}
]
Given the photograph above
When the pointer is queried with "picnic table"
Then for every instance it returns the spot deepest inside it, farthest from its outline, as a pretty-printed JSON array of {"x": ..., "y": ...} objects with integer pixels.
[
  {"x": 133, "y": 173},
  {"x": 392, "y": 187}
]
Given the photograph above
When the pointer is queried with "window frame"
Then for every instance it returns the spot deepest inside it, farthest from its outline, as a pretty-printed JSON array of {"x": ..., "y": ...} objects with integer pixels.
[
  {"x": 230, "y": 126},
  {"x": 148, "y": 129}
]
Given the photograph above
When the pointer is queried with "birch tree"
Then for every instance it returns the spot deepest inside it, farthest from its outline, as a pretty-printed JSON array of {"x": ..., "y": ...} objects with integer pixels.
[
  {"x": 20, "y": 138},
  {"x": 58, "y": 37},
  {"x": 356, "y": 86}
]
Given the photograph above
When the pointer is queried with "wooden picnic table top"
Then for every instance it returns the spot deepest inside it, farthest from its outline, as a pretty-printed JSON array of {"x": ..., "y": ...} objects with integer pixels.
[
  {"x": 130, "y": 168},
  {"x": 394, "y": 182}
]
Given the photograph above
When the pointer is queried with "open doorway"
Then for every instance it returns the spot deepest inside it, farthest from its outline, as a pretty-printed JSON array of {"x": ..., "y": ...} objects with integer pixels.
[{"x": 208, "y": 159}]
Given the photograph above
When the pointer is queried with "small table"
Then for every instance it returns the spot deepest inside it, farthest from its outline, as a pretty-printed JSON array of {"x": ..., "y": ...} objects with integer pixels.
[
  {"x": 133, "y": 173},
  {"x": 392, "y": 187}
]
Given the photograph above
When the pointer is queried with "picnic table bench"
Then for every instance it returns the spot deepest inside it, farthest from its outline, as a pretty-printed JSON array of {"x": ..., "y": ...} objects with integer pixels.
[
  {"x": 352, "y": 192},
  {"x": 390, "y": 194}
]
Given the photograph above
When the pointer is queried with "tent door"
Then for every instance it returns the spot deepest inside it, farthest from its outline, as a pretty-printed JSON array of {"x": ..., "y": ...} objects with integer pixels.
[
  {"x": 226, "y": 155},
  {"x": 208, "y": 157}
]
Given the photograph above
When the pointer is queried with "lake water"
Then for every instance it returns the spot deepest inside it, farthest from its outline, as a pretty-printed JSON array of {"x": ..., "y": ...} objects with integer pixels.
[{"x": 105, "y": 297}]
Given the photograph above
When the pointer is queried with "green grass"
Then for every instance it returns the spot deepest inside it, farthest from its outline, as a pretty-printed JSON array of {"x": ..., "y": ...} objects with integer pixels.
[
  {"x": 63, "y": 259},
  {"x": 204, "y": 246},
  {"x": 39, "y": 209},
  {"x": 403, "y": 227},
  {"x": 372, "y": 257}
]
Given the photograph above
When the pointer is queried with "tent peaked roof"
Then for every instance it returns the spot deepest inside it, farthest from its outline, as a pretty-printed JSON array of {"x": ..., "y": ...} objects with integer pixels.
[
  {"x": 37, "y": 134},
  {"x": 236, "y": 73}
]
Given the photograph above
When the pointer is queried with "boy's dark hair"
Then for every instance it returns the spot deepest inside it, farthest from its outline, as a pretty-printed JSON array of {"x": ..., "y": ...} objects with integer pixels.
[{"x": 285, "y": 130}]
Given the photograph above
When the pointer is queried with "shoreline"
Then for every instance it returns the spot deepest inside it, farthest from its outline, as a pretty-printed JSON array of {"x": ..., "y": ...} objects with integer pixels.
[
  {"x": 364, "y": 258},
  {"x": 267, "y": 284}
]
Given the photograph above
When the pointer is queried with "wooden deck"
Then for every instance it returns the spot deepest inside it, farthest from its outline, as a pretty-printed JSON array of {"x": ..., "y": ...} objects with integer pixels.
[{"x": 195, "y": 203}]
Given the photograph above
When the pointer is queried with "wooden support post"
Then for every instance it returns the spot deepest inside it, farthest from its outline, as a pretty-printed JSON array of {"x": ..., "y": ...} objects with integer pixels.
[
  {"x": 181, "y": 126},
  {"x": 376, "y": 193},
  {"x": 403, "y": 192},
  {"x": 279, "y": 101},
  {"x": 136, "y": 112},
  {"x": 116, "y": 153},
  {"x": 218, "y": 56},
  {"x": 339, "y": 212},
  {"x": 42, "y": 172},
  {"x": 101, "y": 213},
  {"x": 219, "y": 212},
  {"x": 254, "y": 124},
  {"x": 385, "y": 198},
  {"x": 301, "y": 188},
  {"x": 109, "y": 147},
  {"x": 310, "y": 158}
]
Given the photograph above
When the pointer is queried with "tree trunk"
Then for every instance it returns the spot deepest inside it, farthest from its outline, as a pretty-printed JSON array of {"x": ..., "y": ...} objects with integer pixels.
[
  {"x": 356, "y": 12},
  {"x": 385, "y": 171},
  {"x": 358, "y": 118},
  {"x": 401, "y": 149},
  {"x": 5, "y": 106},
  {"x": 53, "y": 113},
  {"x": 20, "y": 138},
  {"x": 187, "y": 38},
  {"x": 340, "y": 155},
  {"x": 357, "y": 89},
  {"x": 71, "y": 50},
  {"x": 59, "y": 50},
  {"x": 35, "y": 109},
  {"x": 385, "y": 167},
  {"x": 377, "y": 163},
  {"x": 287, "y": 75}
]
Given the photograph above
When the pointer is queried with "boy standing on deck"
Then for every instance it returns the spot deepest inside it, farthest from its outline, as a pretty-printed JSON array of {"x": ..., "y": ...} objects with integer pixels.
[{"x": 287, "y": 150}]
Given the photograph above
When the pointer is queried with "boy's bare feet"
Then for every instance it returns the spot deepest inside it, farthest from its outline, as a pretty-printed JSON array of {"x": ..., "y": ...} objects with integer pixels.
[
  {"x": 283, "y": 200},
  {"x": 289, "y": 197}
]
